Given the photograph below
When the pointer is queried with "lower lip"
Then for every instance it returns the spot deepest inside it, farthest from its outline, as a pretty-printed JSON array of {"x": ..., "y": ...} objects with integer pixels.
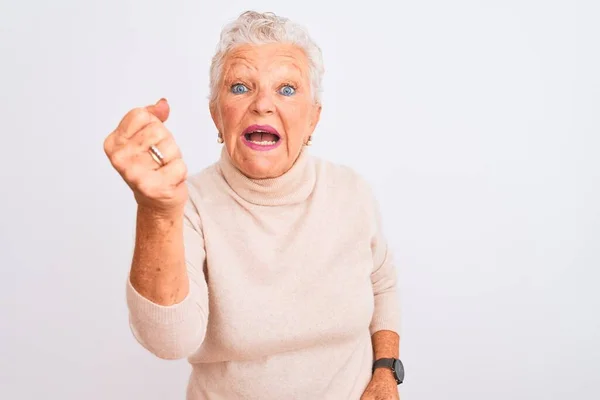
[{"x": 259, "y": 147}]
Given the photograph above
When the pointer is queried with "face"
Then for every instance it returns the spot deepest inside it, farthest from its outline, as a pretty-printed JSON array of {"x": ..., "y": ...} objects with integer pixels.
[{"x": 264, "y": 107}]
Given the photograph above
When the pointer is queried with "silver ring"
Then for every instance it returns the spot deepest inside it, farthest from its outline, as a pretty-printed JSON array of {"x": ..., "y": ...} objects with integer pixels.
[{"x": 157, "y": 155}]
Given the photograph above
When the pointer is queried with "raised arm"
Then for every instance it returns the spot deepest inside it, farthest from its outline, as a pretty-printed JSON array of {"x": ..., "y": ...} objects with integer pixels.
[
  {"x": 166, "y": 291},
  {"x": 158, "y": 270}
]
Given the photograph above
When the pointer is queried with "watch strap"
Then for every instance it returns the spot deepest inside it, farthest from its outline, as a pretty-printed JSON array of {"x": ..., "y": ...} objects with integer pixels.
[
  {"x": 384, "y": 363},
  {"x": 392, "y": 364}
]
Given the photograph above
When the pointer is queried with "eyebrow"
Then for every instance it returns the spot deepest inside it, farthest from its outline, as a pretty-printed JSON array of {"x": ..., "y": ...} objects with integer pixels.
[
  {"x": 293, "y": 64},
  {"x": 238, "y": 63},
  {"x": 292, "y": 61},
  {"x": 241, "y": 62}
]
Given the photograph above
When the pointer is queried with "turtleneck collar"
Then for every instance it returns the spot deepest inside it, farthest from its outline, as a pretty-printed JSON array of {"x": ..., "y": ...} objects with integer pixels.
[{"x": 292, "y": 187}]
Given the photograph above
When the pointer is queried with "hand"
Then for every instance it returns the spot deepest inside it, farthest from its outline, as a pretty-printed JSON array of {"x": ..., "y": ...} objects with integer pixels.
[
  {"x": 383, "y": 386},
  {"x": 161, "y": 189}
]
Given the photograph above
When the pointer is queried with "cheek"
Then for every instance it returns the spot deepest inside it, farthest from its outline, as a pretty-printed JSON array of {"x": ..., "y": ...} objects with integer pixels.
[
  {"x": 297, "y": 119},
  {"x": 232, "y": 114}
]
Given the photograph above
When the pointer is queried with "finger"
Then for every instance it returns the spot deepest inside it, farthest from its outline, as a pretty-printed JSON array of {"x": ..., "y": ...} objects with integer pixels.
[
  {"x": 135, "y": 172},
  {"x": 133, "y": 156},
  {"x": 151, "y": 134},
  {"x": 174, "y": 172},
  {"x": 109, "y": 144},
  {"x": 138, "y": 118},
  {"x": 133, "y": 121},
  {"x": 169, "y": 149},
  {"x": 160, "y": 110}
]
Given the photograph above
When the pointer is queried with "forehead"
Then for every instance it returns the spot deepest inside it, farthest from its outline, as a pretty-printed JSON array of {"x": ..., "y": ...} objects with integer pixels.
[{"x": 266, "y": 57}]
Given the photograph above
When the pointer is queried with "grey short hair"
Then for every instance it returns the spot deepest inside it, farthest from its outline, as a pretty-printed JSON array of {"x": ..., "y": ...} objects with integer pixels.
[{"x": 252, "y": 27}]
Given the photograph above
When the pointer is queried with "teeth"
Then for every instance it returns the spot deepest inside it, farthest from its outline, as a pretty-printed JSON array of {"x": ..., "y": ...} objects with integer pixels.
[{"x": 264, "y": 143}]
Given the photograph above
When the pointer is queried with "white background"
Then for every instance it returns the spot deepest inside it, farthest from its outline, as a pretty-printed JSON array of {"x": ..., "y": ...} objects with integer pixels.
[{"x": 477, "y": 122}]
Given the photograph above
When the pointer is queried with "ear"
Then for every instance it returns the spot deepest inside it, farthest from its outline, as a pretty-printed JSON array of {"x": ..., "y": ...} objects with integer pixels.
[
  {"x": 215, "y": 115},
  {"x": 316, "y": 115}
]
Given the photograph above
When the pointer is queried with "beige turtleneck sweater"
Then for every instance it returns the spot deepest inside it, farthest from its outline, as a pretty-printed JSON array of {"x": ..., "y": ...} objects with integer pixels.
[{"x": 289, "y": 278}]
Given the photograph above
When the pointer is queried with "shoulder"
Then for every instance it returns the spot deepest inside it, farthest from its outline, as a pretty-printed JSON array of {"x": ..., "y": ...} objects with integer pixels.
[
  {"x": 202, "y": 189},
  {"x": 346, "y": 185},
  {"x": 341, "y": 176},
  {"x": 349, "y": 192},
  {"x": 202, "y": 184}
]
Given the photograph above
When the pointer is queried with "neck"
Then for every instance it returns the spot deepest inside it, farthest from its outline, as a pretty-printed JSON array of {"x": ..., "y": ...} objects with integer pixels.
[{"x": 294, "y": 186}]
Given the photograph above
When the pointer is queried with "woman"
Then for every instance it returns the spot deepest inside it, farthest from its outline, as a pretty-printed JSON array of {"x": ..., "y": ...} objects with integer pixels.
[{"x": 268, "y": 270}]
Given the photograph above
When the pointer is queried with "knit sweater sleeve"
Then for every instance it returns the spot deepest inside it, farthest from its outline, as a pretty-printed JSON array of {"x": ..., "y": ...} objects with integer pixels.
[
  {"x": 384, "y": 279},
  {"x": 176, "y": 331}
]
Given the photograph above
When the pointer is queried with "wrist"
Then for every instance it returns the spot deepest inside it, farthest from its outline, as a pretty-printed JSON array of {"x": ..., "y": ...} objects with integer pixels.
[
  {"x": 158, "y": 214},
  {"x": 388, "y": 368},
  {"x": 384, "y": 374}
]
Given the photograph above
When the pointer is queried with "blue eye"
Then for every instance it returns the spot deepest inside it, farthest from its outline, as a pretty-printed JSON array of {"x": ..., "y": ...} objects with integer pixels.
[
  {"x": 238, "y": 88},
  {"x": 287, "y": 90}
]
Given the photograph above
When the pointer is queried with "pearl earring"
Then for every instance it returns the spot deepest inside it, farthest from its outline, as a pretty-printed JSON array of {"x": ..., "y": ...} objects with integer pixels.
[
  {"x": 309, "y": 141},
  {"x": 220, "y": 138}
]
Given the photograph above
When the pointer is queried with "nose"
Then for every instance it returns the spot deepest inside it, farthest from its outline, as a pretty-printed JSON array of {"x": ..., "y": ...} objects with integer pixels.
[{"x": 263, "y": 103}]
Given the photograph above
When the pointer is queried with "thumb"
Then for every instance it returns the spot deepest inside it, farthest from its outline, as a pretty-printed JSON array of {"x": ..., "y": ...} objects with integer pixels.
[{"x": 160, "y": 110}]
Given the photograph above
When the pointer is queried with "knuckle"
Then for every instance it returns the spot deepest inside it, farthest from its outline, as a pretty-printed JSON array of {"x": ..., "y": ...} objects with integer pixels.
[
  {"x": 150, "y": 134},
  {"x": 107, "y": 145},
  {"x": 136, "y": 117},
  {"x": 179, "y": 167},
  {"x": 170, "y": 148},
  {"x": 156, "y": 130},
  {"x": 119, "y": 159},
  {"x": 184, "y": 169},
  {"x": 140, "y": 114},
  {"x": 132, "y": 176}
]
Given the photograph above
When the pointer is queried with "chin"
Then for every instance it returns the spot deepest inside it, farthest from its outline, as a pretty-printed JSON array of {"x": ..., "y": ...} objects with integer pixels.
[{"x": 259, "y": 168}]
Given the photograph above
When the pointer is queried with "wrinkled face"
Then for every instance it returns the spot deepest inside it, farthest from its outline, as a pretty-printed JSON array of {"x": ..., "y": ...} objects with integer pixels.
[{"x": 264, "y": 107}]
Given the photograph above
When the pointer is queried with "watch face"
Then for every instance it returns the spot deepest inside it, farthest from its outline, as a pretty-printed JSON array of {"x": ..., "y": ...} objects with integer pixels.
[{"x": 399, "y": 368}]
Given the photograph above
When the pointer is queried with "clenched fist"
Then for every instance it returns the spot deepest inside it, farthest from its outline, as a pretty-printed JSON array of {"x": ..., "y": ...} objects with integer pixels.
[{"x": 158, "y": 184}]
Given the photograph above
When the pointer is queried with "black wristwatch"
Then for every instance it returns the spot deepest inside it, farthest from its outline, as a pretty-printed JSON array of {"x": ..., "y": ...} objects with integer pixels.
[{"x": 394, "y": 364}]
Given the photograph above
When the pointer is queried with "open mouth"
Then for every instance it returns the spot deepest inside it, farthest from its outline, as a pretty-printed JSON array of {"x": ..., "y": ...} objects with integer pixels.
[
  {"x": 262, "y": 135},
  {"x": 262, "y": 138}
]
